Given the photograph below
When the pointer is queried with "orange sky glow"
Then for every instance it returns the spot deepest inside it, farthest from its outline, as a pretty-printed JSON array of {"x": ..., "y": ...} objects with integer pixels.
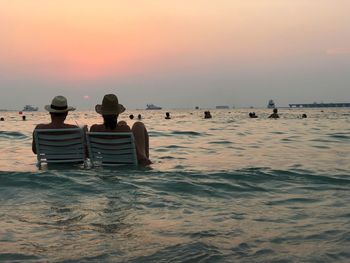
[{"x": 95, "y": 39}]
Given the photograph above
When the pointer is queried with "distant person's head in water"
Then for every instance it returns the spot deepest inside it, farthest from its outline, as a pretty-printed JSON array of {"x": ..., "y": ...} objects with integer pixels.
[
  {"x": 207, "y": 115},
  {"x": 274, "y": 115},
  {"x": 110, "y": 110},
  {"x": 2, "y": 119},
  {"x": 139, "y": 116},
  {"x": 252, "y": 115},
  {"x": 167, "y": 115},
  {"x": 131, "y": 116},
  {"x": 304, "y": 116}
]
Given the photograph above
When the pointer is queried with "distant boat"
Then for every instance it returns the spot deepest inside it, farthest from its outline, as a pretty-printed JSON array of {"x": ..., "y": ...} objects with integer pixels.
[
  {"x": 153, "y": 107},
  {"x": 30, "y": 108},
  {"x": 222, "y": 107},
  {"x": 320, "y": 105},
  {"x": 271, "y": 104}
]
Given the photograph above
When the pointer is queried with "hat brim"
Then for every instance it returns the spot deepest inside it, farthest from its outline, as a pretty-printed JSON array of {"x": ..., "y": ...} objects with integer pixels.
[
  {"x": 49, "y": 109},
  {"x": 118, "y": 110}
]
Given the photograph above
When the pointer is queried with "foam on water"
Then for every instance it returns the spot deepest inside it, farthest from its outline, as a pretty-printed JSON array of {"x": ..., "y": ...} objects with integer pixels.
[{"x": 219, "y": 191}]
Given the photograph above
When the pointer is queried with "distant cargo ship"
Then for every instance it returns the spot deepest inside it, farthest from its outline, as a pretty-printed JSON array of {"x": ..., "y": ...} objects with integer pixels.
[
  {"x": 222, "y": 107},
  {"x": 30, "y": 108},
  {"x": 319, "y": 105},
  {"x": 153, "y": 107}
]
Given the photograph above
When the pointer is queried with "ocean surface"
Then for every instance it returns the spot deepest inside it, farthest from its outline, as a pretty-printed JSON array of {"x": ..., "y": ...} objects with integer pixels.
[{"x": 226, "y": 189}]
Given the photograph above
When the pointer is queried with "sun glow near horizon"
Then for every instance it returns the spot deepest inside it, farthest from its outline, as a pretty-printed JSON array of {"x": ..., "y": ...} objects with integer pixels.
[{"x": 88, "y": 40}]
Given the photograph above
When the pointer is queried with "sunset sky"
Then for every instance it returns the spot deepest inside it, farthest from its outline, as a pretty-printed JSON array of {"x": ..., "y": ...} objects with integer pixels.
[{"x": 174, "y": 53}]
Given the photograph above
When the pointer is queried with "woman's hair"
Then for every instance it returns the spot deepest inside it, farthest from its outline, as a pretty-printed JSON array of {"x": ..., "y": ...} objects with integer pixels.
[
  {"x": 110, "y": 121},
  {"x": 59, "y": 114}
]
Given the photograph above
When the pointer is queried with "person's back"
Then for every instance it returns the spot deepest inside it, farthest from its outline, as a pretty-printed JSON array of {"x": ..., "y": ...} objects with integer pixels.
[
  {"x": 110, "y": 110},
  {"x": 58, "y": 110},
  {"x": 167, "y": 116},
  {"x": 207, "y": 115},
  {"x": 252, "y": 115},
  {"x": 274, "y": 115},
  {"x": 121, "y": 126}
]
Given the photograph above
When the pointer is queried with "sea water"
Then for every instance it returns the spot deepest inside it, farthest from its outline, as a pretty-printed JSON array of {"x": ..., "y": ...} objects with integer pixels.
[{"x": 226, "y": 189}]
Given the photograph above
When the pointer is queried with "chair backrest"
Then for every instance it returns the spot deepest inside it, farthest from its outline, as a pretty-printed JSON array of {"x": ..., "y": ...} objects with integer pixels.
[
  {"x": 111, "y": 148},
  {"x": 60, "y": 145}
]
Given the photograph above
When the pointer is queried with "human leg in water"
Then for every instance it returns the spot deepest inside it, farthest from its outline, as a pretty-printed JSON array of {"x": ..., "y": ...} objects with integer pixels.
[{"x": 141, "y": 143}]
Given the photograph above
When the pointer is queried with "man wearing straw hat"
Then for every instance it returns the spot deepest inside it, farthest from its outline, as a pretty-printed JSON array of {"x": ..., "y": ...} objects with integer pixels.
[
  {"x": 58, "y": 110},
  {"x": 110, "y": 110}
]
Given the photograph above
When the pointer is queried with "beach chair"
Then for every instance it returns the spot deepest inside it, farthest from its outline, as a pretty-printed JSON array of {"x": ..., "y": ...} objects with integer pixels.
[
  {"x": 60, "y": 146},
  {"x": 111, "y": 148}
]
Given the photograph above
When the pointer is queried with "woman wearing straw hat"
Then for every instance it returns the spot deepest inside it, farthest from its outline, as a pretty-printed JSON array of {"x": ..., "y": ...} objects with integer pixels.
[
  {"x": 110, "y": 110},
  {"x": 58, "y": 110}
]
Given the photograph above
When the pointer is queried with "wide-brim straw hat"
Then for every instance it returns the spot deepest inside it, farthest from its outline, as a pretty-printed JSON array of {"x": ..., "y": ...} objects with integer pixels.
[
  {"x": 59, "y": 104},
  {"x": 110, "y": 105}
]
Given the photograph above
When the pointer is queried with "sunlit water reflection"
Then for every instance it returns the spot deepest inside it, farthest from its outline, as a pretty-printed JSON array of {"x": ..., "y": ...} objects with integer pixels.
[{"x": 220, "y": 189}]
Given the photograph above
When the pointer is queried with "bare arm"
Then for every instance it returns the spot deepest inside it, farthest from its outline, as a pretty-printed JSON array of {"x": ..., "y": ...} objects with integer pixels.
[
  {"x": 33, "y": 141},
  {"x": 33, "y": 144}
]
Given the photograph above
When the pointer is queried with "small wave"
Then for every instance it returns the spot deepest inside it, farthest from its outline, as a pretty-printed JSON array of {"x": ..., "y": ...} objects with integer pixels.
[
  {"x": 158, "y": 134},
  {"x": 192, "y": 133},
  {"x": 12, "y": 135},
  {"x": 175, "y": 147},
  {"x": 264, "y": 252},
  {"x": 108, "y": 228},
  {"x": 171, "y": 158},
  {"x": 17, "y": 257},
  {"x": 243, "y": 249},
  {"x": 339, "y": 135},
  {"x": 287, "y": 140},
  {"x": 321, "y": 140},
  {"x": 277, "y": 132},
  {"x": 189, "y": 252},
  {"x": 221, "y": 142},
  {"x": 321, "y": 146},
  {"x": 70, "y": 220},
  {"x": 292, "y": 201},
  {"x": 161, "y": 150},
  {"x": 66, "y": 180}
]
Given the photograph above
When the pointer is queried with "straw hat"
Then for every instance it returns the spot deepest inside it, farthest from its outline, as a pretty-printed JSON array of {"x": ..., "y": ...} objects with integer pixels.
[
  {"x": 110, "y": 105},
  {"x": 59, "y": 104}
]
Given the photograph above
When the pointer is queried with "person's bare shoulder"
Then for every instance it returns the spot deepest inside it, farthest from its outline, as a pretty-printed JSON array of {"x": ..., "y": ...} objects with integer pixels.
[
  {"x": 71, "y": 126},
  {"x": 41, "y": 126},
  {"x": 123, "y": 127},
  {"x": 95, "y": 128}
]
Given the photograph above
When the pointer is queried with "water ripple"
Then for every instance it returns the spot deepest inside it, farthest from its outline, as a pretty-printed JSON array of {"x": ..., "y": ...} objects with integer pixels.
[{"x": 6, "y": 135}]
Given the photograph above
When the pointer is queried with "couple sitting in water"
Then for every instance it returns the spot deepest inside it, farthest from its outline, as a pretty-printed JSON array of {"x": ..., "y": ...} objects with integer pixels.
[{"x": 110, "y": 110}]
